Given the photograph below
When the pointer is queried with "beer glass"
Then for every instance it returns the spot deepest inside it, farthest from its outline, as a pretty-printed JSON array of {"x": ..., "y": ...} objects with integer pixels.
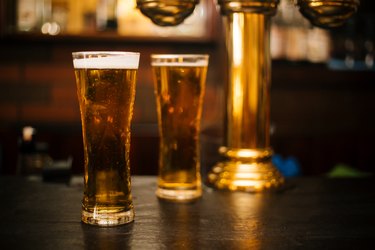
[
  {"x": 179, "y": 82},
  {"x": 106, "y": 90}
]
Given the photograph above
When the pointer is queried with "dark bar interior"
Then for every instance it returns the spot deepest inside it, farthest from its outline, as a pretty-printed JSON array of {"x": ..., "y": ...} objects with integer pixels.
[
  {"x": 322, "y": 118},
  {"x": 321, "y": 109}
]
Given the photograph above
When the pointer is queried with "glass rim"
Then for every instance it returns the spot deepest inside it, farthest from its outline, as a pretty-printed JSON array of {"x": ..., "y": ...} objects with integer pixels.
[
  {"x": 180, "y": 60},
  {"x": 173, "y": 56}
]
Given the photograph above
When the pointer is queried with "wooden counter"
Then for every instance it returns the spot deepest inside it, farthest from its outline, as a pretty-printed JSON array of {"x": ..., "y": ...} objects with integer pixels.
[{"x": 313, "y": 213}]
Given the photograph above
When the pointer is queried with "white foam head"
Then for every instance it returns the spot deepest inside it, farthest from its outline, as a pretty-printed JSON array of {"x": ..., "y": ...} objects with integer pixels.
[
  {"x": 105, "y": 60},
  {"x": 180, "y": 60}
]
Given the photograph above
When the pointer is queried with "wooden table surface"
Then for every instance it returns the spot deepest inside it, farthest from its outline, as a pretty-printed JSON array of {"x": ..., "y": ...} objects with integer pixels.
[{"x": 314, "y": 213}]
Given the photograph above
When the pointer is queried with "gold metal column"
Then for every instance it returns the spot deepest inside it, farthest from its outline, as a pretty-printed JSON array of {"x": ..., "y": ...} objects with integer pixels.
[{"x": 247, "y": 152}]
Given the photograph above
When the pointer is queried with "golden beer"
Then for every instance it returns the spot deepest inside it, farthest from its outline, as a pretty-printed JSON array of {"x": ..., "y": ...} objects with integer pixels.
[
  {"x": 106, "y": 91},
  {"x": 179, "y": 88}
]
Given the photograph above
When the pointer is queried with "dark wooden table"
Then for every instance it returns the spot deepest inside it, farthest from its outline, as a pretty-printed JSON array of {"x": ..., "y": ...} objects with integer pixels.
[{"x": 314, "y": 213}]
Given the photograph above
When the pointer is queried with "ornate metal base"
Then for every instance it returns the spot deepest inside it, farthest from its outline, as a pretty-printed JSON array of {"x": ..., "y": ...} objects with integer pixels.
[{"x": 252, "y": 174}]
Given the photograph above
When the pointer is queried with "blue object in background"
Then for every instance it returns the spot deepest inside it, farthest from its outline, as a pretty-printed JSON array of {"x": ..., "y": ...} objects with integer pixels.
[{"x": 289, "y": 167}]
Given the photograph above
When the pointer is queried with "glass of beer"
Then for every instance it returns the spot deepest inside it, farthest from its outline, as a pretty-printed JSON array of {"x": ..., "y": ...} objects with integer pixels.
[
  {"x": 179, "y": 82},
  {"x": 106, "y": 91}
]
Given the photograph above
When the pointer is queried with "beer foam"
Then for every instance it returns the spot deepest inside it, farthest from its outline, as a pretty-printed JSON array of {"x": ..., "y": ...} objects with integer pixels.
[
  {"x": 108, "y": 61},
  {"x": 173, "y": 61}
]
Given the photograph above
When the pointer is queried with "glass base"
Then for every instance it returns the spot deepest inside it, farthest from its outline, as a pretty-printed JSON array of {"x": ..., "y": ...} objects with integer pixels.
[
  {"x": 248, "y": 177},
  {"x": 108, "y": 219},
  {"x": 178, "y": 195}
]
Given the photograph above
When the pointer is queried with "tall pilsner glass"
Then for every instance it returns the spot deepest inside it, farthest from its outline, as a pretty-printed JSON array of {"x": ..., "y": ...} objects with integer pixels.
[
  {"x": 179, "y": 88},
  {"x": 106, "y": 90}
]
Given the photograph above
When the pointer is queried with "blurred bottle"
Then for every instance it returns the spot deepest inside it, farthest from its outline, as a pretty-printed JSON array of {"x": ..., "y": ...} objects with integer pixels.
[
  {"x": 106, "y": 15},
  {"x": 33, "y": 156},
  {"x": 294, "y": 39},
  {"x": 29, "y": 15},
  {"x": 369, "y": 37},
  {"x": 354, "y": 43}
]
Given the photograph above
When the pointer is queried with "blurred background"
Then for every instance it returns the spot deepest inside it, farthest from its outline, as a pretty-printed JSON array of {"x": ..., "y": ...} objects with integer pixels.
[{"x": 322, "y": 94}]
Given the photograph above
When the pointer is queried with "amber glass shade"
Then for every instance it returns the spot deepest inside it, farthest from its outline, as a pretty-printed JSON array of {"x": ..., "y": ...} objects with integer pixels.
[
  {"x": 328, "y": 13},
  {"x": 167, "y": 12}
]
